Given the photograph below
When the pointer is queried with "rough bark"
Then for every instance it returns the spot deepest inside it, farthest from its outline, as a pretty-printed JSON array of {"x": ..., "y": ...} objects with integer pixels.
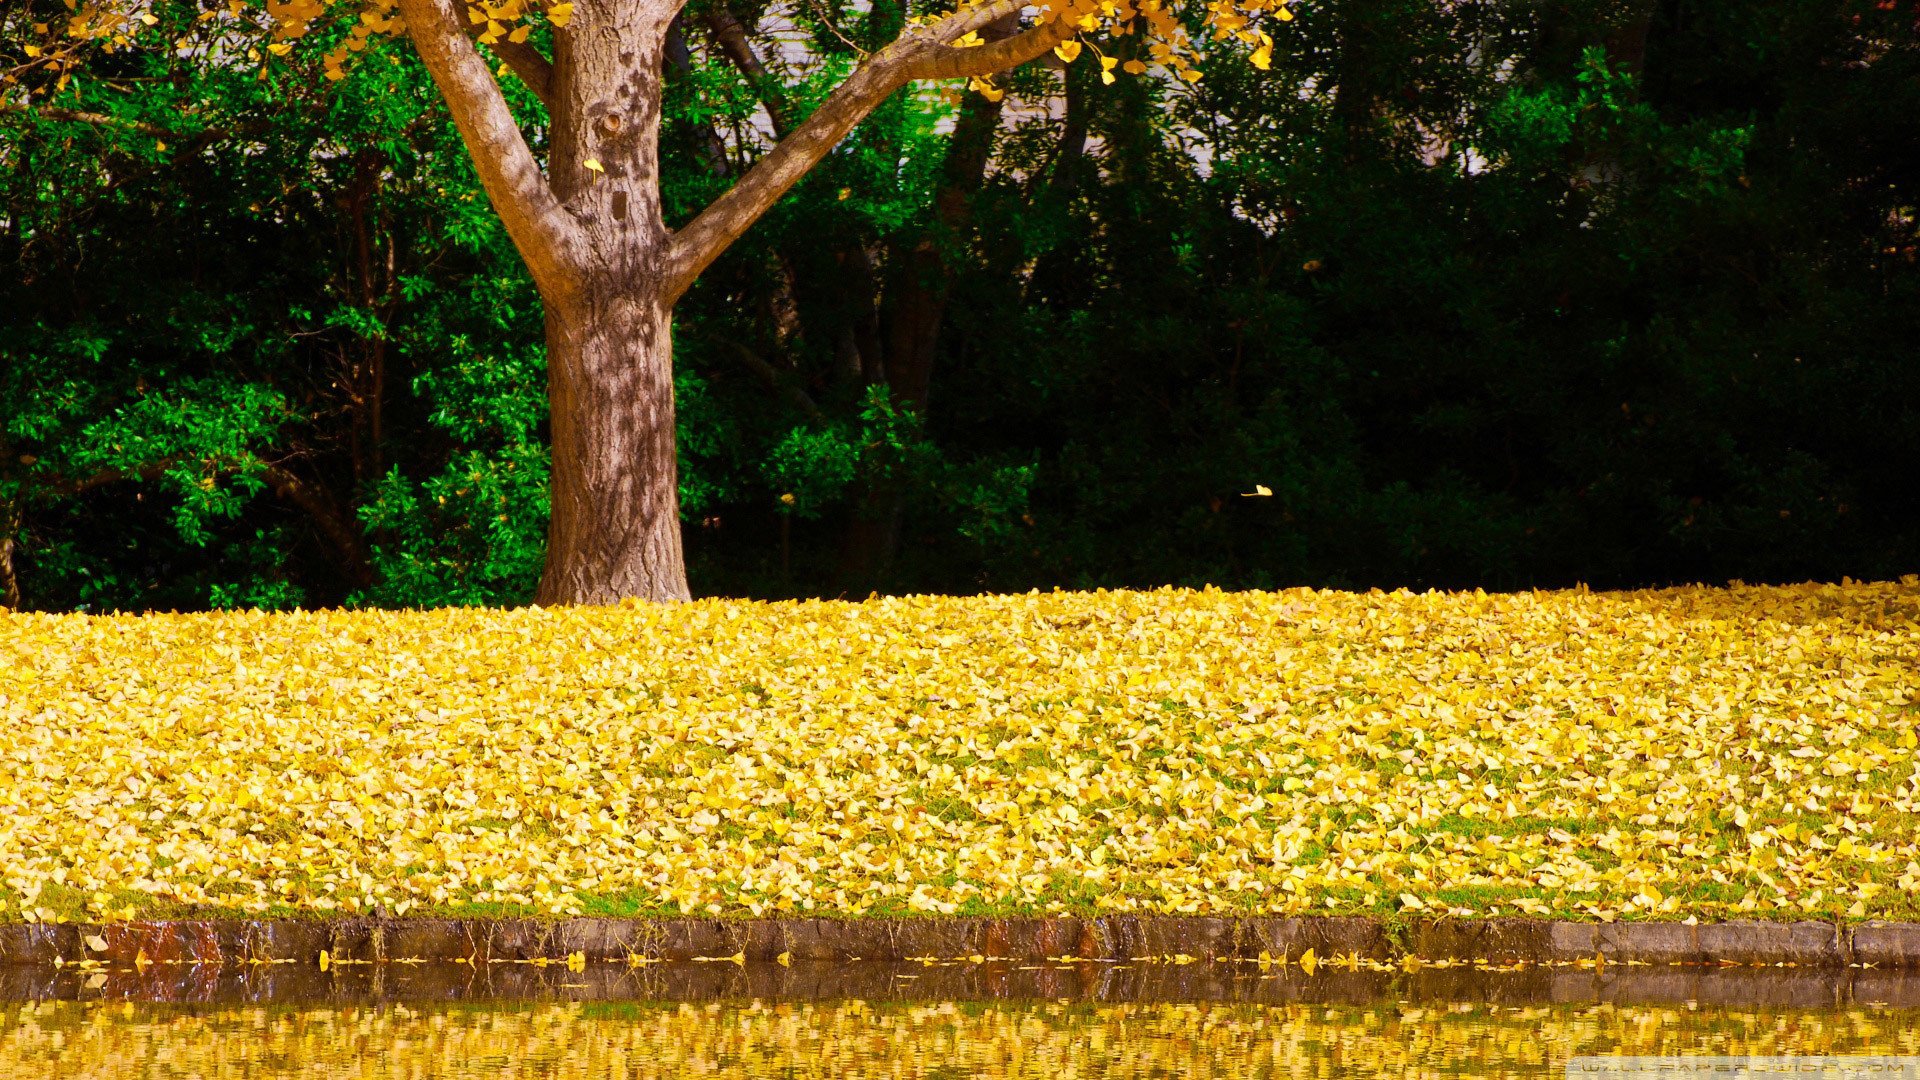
[
  {"x": 547, "y": 238},
  {"x": 615, "y": 529},
  {"x": 1063, "y": 171}
]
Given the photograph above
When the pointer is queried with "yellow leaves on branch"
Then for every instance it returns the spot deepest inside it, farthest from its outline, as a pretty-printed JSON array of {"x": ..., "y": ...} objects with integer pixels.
[
  {"x": 1167, "y": 41},
  {"x": 1155, "y": 21},
  {"x": 1710, "y": 752}
]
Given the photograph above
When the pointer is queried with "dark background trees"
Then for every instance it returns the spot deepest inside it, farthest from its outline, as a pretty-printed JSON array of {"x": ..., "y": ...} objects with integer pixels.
[{"x": 1486, "y": 294}]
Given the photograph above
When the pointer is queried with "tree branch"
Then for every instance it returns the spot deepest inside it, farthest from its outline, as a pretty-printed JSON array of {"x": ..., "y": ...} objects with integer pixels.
[
  {"x": 1031, "y": 44},
  {"x": 545, "y": 235},
  {"x": 153, "y": 470},
  {"x": 77, "y": 116},
  {"x": 917, "y": 54},
  {"x": 732, "y": 39},
  {"x": 525, "y": 61},
  {"x": 977, "y": 17},
  {"x": 315, "y": 502},
  {"x": 770, "y": 375},
  {"x": 9, "y": 577},
  {"x": 679, "y": 65},
  {"x": 320, "y": 507}
]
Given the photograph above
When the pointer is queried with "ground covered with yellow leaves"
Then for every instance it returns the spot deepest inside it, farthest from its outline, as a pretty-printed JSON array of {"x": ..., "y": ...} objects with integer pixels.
[{"x": 1688, "y": 752}]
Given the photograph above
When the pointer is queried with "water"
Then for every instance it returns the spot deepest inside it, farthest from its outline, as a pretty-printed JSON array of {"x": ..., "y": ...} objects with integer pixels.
[{"x": 850, "y": 1021}]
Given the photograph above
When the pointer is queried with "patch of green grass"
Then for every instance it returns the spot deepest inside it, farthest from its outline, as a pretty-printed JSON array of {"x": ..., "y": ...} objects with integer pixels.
[
  {"x": 1477, "y": 828},
  {"x": 951, "y": 808}
]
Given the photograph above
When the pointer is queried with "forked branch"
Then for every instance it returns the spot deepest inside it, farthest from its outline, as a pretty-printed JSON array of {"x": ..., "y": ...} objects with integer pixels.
[
  {"x": 546, "y": 236},
  {"x": 923, "y": 53}
]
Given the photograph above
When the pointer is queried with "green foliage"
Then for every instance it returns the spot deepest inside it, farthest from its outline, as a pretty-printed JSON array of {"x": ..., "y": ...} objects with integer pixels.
[
  {"x": 472, "y": 534},
  {"x": 1483, "y": 294},
  {"x": 814, "y": 469}
]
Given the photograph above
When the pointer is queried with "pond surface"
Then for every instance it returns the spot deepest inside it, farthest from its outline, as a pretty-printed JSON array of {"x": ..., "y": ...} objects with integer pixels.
[{"x": 1058, "y": 1022}]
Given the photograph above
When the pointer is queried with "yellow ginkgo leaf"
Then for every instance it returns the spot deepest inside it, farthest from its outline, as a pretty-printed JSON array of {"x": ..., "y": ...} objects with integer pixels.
[
  {"x": 1067, "y": 50},
  {"x": 1308, "y": 961},
  {"x": 593, "y": 165},
  {"x": 560, "y": 14},
  {"x": 1258, "y": 491}
]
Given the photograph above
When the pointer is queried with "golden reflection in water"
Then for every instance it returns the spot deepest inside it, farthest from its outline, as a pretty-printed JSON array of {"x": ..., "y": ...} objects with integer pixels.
[{"x": 854, "y": 1040}]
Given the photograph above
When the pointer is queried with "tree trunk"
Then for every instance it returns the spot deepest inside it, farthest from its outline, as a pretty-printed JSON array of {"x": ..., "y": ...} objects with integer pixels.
[
  {"x": 9, "y": 582},
  {"x": 615, "y": 486},
  {"x": 615, "y": 530}
]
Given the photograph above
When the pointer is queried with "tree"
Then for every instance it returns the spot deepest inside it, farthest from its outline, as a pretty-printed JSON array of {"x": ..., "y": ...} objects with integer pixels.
[{"x": 589, "y": 225}]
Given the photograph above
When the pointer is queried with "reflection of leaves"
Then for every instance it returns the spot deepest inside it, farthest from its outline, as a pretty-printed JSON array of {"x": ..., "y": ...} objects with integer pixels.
[{"x": 1026, "y": 1039}]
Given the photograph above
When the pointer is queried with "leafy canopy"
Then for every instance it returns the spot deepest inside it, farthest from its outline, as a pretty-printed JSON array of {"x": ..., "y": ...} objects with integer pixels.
[{"x": 243, "y": 27}]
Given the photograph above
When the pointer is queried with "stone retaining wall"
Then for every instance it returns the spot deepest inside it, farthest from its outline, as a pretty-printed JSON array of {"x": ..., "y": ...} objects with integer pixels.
[{"x": 1113, "y": 937}]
